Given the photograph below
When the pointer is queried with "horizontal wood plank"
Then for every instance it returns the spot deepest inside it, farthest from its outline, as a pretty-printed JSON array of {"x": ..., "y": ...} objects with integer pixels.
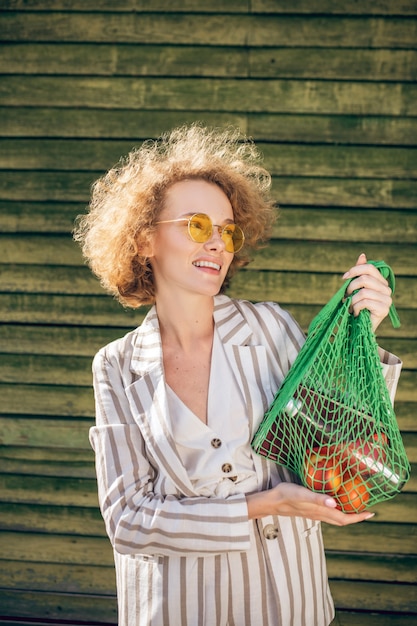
[
  {"x": 84, "y": 609},
  {"x": 45, "y": 467},
  {"x": 59, "y": 549},
  {"x": 157, "y": 60},
  {"x": 333, "y": 63},
  {"x": 61, "y": 340},
  {"x": 140, "y": 125},
  {"x": 35, "y": 460},
  {"x": 212, "y": 94},
  {"x": 366, "y": 618},
  {"x": 68, "y": 434},
  {"x": 136, "y": 125},
  {"x": 366, "y": 7},
  {"x": 230, "y": 30},
  {"x": 91, "y": 580},
  {"x": 343, "y": 129},
  {"x": 314, "y": 161},
  {"x": 347, "y": 225},
  {"x": 135, "y": 60},
  {"x": 49, "y": 280},
  {"x": 289, "y": 191},
  {"x": 54, "y": 400},
  {"x": 52, "y": 519},
  {"x": 42, "y": 250},
  {"x": 336, "y": 192},
  {"x": 376, "y": 536},
  {"x": 372, "y": 567},
  {"x": 60, "y": 491},
  {"x": 374, "y": 596},
  {"x": 45, "y": 370},
  {"x": 73, "y": 310},
  {"x": 39, "y": 217},
  {"x": 216, "y": 6}
]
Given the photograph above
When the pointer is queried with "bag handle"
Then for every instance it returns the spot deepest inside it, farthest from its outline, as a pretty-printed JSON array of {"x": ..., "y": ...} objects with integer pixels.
[{"x": 334, "y": 303}]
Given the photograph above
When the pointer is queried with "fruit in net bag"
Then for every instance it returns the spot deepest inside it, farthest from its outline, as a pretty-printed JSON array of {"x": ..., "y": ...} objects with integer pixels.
[
  {"x": 353, "y": 495},
  {"x": 323, "y": 470}
]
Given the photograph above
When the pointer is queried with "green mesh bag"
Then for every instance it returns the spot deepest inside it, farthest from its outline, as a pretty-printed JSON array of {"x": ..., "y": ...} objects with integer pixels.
[{"x": 332, "y": 421}]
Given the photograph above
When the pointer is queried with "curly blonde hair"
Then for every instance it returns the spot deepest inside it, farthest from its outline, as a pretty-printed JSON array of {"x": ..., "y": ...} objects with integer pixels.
[{"x": 127, "y": 200}]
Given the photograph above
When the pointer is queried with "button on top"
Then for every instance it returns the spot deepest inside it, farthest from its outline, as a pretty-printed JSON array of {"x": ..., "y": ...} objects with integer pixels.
[
  {"x": 216, "y": 443},
  {"x": 226, "y": 468},
  {"x": 270, "y": 531}
]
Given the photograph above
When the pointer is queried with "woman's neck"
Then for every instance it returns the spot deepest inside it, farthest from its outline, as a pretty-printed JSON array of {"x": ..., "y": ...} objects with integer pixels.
[{"x": 185, "y": 322}]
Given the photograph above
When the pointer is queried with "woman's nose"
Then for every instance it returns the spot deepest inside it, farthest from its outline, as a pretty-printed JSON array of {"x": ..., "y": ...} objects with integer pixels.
[{"x": 216, "y": 239}]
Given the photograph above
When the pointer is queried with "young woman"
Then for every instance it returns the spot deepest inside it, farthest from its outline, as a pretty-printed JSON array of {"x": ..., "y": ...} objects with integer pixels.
[{"x": 205, "y": 532}]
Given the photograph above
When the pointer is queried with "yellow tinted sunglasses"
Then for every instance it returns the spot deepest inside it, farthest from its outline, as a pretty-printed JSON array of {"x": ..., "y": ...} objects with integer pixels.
[{"x": 200, "y": 230}]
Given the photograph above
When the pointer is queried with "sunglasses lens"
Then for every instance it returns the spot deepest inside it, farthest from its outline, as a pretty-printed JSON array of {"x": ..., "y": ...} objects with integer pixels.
[
  {"x": 233, "y": 237},
  {"x": 200, "y": 228}
]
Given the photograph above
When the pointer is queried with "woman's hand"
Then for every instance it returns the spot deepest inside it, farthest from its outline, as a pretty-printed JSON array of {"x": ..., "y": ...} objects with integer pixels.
[
  {"x": 293, "y": 500},
  {"x": 374, "y": 292}
]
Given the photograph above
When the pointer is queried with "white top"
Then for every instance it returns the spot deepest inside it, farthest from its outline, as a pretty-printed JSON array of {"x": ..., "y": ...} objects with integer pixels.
[{"x": 217, "y": 456}]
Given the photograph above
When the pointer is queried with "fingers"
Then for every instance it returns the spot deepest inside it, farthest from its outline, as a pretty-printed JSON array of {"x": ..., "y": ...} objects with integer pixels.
[
  {"x": 361, "y": 271},
  {"x": 377, "y": 302},
  {"x": 328, "y": 512},
  {"x": 370, "y": 291}
]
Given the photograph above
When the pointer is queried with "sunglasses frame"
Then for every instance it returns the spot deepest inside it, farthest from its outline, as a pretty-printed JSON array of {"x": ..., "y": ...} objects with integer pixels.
[{"x": 221, "y": 229}]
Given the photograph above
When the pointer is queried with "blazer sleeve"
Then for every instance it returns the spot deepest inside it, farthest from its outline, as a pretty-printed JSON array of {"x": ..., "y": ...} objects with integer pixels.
[
  {"x": 391, "y": 370},
  {"x": 139, "y": 518}
]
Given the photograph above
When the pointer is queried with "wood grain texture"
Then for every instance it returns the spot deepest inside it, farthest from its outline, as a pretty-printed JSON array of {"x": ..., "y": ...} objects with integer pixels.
[
  {"x": 328, "y": 92},
  {"x": 366, "y": 7},
  {"x": 212, "y": 94},
  {"x": 139, "y": 125},
  {"x": 234, "y": 61},
  {"x": 213, "y": 29}
]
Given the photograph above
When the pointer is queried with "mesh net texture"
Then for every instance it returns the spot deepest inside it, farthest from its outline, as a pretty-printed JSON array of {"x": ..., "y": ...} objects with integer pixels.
[{"x": 332, "y": 421}]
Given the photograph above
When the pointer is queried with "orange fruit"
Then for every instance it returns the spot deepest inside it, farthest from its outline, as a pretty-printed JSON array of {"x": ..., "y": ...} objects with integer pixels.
[
  {"x": 322, "y": 471},
  {"x": 353, "y": 495}
]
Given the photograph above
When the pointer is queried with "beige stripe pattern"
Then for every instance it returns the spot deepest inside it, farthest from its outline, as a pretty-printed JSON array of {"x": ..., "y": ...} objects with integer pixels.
[{"x": 183, "y": 559}]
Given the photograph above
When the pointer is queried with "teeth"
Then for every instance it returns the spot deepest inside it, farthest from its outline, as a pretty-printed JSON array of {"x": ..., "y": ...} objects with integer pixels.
[{"x": 215, "y": 266}]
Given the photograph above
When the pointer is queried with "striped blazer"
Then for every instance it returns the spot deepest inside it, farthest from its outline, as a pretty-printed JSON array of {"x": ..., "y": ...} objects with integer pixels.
[{"x": 183, "y": 559}]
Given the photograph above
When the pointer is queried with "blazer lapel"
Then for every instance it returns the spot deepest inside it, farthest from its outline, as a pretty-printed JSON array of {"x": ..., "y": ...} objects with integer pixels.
[
  {"x": 247, "y": 356},
  {"x": 148, "y": 399}
]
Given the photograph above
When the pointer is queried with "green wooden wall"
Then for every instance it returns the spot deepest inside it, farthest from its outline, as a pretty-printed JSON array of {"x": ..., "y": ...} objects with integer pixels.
[{"x": 328, "y": 91}]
